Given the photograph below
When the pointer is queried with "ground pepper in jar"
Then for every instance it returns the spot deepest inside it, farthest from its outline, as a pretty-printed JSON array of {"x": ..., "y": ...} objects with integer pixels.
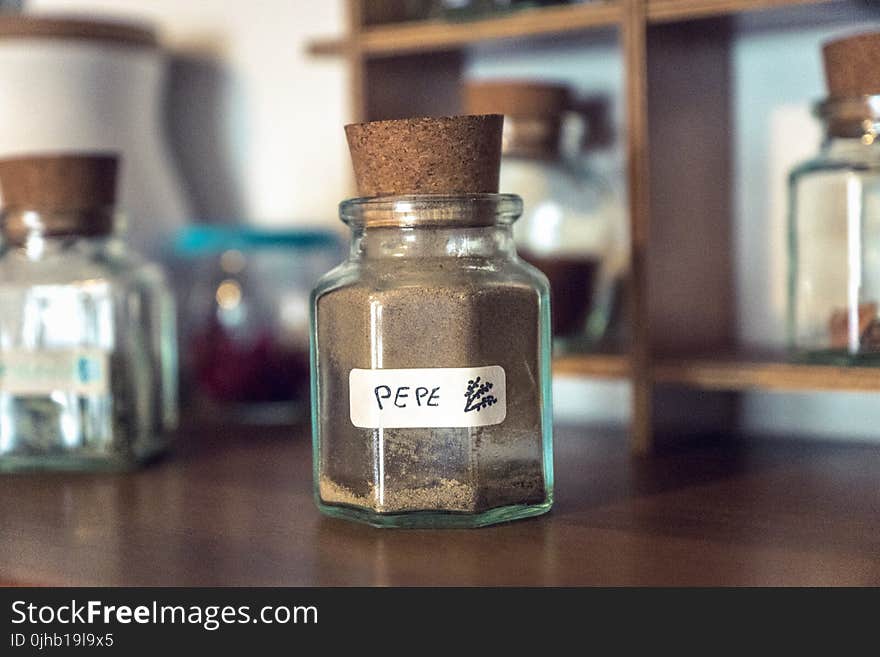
[{"x": 431, "y": 343}]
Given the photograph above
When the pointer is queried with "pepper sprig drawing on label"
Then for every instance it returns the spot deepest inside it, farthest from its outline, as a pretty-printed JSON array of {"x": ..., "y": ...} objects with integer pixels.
[{"x": 477, "y": 397}]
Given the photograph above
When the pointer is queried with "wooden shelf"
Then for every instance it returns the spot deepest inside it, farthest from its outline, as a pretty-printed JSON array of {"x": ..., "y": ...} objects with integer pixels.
[
  {"x": 681, "y": 280},
  {"x": 426, "y": 36},
  {"x": 750, "y": 373},
  {"x": 726, "y": 372},
  {"x": 599, "y": 366},
  {"x": 437, "y": 35}
]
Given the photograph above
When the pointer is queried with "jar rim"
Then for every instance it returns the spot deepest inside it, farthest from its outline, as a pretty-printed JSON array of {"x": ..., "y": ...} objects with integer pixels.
[
  {"x": 850, "y": 116},
  {"x": 868, "y": 103},
  {"x": 435, "y": 210},
  {"x": 16, "y": 223}
]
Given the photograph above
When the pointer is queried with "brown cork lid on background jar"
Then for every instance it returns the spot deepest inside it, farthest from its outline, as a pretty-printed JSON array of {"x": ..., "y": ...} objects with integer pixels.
[
  {"x": 852, "y": 65},
  {"x": 66, "y": 194},
  {"x": 32, "y": 26},
  {"x": 516, "y": 98},
  {"x": 446, "y": 155},
  {"x": 533, "y": 111}
]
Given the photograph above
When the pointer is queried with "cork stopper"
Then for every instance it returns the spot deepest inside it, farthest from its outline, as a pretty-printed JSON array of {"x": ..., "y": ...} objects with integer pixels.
[
  {"x": 73, "y": 194},
  {"x": 59, "y": 183},
  {"x": 448, "y": 155},
  {"x": 851, "y": 65},
  {"x": 516, "y": 98}
]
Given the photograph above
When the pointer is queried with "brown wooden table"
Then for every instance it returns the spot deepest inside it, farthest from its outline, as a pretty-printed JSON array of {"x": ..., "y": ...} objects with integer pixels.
[{"x": 234, "y": 507}]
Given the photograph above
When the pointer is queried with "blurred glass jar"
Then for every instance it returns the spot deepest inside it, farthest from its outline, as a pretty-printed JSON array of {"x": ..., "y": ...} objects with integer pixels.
[
  {"x": 464, "y": 10},
  {"x": 834, "y": 217},
  {"x": 573, "y": 223},
  {"x": 88, "y": 352},
  {"x": 244, "y": 302}
]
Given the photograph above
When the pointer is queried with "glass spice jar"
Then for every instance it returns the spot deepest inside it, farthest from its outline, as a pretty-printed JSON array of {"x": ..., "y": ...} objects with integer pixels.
[
  {"x": 431, "y": 343},
  {"x": 572, "y": 223},
  {"x": 87, "y": 342},
  {"x": 834, "y": 217},
  {"x": 244, "y": 299},
  {"x": 466, "y": 10}
]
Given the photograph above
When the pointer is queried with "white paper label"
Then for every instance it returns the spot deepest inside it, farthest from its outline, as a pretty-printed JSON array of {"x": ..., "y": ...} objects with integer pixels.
[
  {"x": 428, "y": 397},
  {"x": 42, "y": 372}
]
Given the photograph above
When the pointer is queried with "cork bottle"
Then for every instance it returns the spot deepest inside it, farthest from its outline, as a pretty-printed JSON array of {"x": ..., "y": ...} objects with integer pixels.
[
  {"x": 573, "y": 226},
  {"x": 87, "y": 343},
  {"x": 834, "y": 217},
  {"x": 431, "y": 342}
]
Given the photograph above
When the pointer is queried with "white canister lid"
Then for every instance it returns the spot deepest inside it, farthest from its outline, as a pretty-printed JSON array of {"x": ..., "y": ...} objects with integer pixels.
[{"x": 29, "y": 26}]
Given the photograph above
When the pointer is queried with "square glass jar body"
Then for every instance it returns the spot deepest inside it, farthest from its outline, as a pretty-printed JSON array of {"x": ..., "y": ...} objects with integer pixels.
[
  {"x": 88, "y": 354},
  {"x": 432, "y": 288}
]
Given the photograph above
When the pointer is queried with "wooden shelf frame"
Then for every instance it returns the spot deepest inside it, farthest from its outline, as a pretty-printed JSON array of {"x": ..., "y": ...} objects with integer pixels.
[
  {"x": 597, "y": 366},
  {"x": 742, "y": 372},
  {"x": 726, "y": 372},
  {"x": 657, "y": 38},
  {"x": 435, "y": 35}
]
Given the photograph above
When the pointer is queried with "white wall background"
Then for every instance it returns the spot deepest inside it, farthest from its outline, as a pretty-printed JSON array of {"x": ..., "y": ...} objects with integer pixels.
[{"x": 279, "y": 148}]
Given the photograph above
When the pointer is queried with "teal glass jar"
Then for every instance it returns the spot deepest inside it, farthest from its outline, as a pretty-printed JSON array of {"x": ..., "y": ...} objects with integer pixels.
[{"x": 430, "y": 357}]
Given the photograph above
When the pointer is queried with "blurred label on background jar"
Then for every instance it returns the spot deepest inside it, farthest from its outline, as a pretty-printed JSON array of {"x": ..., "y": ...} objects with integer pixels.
[
  {"x": 78, "y": 371},
  {"x": 428, "y": 397}
]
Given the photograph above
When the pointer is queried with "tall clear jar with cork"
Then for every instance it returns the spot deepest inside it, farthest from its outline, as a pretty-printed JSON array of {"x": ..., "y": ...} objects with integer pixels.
[
  {"x": 834, "y": 217},
  {"x": 87, "y": 340},
  {"x": 573, "y": 224},
  {"x": 431, "y": 343}
]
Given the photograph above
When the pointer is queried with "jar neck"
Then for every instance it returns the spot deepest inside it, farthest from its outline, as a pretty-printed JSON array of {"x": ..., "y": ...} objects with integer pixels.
[
  {"x": 851, "y": 149},
  {"x": 20, "y": 225},
  {"x": 38, "y": 234},
  {"x": 850, "y": 122},
  {"x": 38, "y": 246},
  {"x": 423, "y": 242},
  {"x": 532, "y": 138},
  {"x": 432, "y": 226}
]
